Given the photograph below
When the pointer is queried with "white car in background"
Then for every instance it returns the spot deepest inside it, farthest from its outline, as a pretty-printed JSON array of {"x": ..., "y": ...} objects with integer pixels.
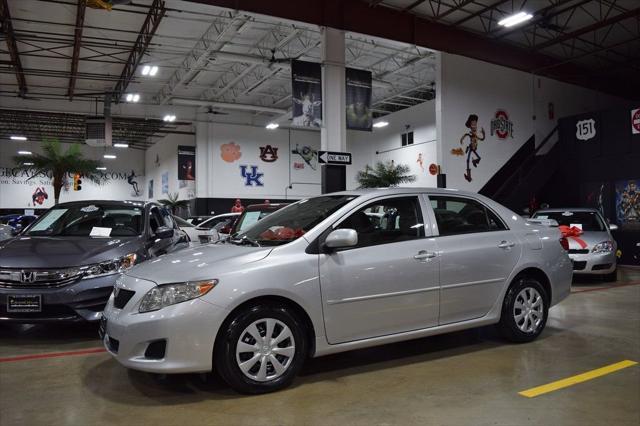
[
  {"x": 187, "y": 227},
  {"x": 215, "y": 228}
]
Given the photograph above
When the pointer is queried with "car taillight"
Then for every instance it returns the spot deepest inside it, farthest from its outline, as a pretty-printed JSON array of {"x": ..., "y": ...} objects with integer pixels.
[{"x": 564, "y": 243}]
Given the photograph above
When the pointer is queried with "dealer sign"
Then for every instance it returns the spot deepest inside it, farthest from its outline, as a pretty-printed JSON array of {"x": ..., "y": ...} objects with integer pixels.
[{"x": 635, "y": 121}]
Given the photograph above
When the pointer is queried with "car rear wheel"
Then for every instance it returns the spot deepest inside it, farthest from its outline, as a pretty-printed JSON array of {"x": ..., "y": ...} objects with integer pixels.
[
  {"x": 261, "y": 349},
  {"x": 524, "y": 310}
]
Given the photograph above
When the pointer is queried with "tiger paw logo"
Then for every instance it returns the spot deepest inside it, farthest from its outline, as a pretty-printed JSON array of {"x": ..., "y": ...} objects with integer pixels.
[
  {"x": 230, "y": 152},
  {"x": 268, "y": 154},
  {"x": 501, "y": 126}
]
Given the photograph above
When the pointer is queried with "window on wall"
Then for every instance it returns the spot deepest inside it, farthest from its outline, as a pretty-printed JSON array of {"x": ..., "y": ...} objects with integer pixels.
[
  {"x": 463, "y": 216},
  {"x": 407, "y": 138},
  {"x": 386, "y": 221}
]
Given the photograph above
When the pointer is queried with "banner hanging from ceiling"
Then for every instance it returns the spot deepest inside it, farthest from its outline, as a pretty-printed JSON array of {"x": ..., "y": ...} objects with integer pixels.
[
  {"x": 358, "y": 99},
  {"x": 306, "y": 80}
]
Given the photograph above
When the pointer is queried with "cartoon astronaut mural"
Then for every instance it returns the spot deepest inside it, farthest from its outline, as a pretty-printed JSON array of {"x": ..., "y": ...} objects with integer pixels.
[{"x": 472, "y": 148}]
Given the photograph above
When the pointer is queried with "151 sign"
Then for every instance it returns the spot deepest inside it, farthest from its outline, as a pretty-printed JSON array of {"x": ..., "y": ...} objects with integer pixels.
[{"x": 586, "y": 129}]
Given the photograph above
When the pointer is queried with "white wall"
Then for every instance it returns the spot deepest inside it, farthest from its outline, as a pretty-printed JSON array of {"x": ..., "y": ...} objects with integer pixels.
[
  {"x": 467, "y": 86},
  {"x": 384, "y": 144},
  {"x": 16, "y": 190},
  {"x": 162, "y": 158},
  {"x": 223, "y": 179}
]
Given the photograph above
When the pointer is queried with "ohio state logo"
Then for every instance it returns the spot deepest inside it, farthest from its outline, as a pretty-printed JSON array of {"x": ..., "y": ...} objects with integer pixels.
[
  {"x": 501, "y": 126},
  {"x": 268, "y": 154}
]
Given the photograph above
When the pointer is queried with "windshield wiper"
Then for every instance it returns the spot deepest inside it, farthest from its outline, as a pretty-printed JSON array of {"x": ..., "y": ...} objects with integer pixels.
[{"x": 245, "y": 241}]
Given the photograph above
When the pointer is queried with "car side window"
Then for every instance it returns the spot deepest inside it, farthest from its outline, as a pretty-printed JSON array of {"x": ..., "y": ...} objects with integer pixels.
[
  {"x": 463, "y": 216},
  {"x": 386, "y": 221},
  {"x": 155, "y": 219}
]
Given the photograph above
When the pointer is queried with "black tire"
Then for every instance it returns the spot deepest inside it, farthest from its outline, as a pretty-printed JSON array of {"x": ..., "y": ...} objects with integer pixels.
[
  {"x": 611, "y": 278},
  {"x": 224, "y": 354},
  {"x": 508, "y": 326}
]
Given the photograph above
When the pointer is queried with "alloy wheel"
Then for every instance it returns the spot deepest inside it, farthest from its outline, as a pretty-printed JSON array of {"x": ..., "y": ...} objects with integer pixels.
[
  {"x": 265, "y": 349},
  {"x": 528, "y": 310}
]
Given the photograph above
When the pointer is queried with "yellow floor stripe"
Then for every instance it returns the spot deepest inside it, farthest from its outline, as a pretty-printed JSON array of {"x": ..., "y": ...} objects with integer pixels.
[{"x": 570, "y": 381}]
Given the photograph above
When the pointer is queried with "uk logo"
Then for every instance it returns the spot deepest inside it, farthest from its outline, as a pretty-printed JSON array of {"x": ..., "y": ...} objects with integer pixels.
[
  {"x": 253, "y": 178},
  {"x": 268, "y": 154}
]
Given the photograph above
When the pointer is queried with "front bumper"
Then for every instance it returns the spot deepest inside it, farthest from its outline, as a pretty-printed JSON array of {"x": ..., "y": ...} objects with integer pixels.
[
  {"x": 185, "y": 331},
  {"x": 82, "y": 300},
  {"x": 594, "y": 263}
]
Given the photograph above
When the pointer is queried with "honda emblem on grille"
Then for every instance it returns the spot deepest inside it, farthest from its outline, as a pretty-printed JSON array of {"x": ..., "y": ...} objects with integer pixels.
[{"x": 28, "y": 276}]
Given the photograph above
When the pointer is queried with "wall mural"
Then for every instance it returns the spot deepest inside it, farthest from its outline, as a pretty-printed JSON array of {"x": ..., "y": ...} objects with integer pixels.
[
  {"x": 253, "y": 178},
  {"x": 230, "y": 152},
  {"x": 150, "y": 189},
  {"x": 628, "y": 203},
  {"x": 134, "y": 184},
  {"x": 165, "y": 182},
  {"x": 472, "y": 148},
  {"x": 268, "y": 154},
  {"x": 308, "y": 154},
  {"x": 501, "y": 125},
  {"x": 420, "y": 162}
]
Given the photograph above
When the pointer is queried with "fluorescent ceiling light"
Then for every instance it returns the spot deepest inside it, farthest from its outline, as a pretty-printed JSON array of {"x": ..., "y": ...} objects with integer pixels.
[
  {"x": 18, "y": 138},
  {"x": 101, "y": 168},
  {"x": 169, "y": 118},
  {"x": 146, "y": 70},
  {"x": 153, "y": 71},
  {"x": 121, "y": 145},
  {"x": 380, "y": 124},
  {"x": 109, "y": 156},
  {"x": 272, "y": 126},
  {"x": 24, "y": 152},
  {"x": 516, "y": 19},
  {"x": 27, "y": 164},
  {"x": 133, "y": 97}
]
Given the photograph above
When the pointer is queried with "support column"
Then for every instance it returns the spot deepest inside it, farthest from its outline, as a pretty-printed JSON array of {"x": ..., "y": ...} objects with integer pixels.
[{"x": 333, "y": 134}]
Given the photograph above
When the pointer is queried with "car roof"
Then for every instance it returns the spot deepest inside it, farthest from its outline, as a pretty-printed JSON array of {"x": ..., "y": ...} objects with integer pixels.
[
  {"x": 570, "y": 209},
  {"x": 265, "y": 206},
  {"x": 107, "y": 202},
  {"x": 405, "y": 190}
]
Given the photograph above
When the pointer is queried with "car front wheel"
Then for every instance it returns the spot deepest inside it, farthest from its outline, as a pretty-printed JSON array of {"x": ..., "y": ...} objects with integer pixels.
[
  {"x": 524, "y": 310},
  {"x": 261, "y": 349}
]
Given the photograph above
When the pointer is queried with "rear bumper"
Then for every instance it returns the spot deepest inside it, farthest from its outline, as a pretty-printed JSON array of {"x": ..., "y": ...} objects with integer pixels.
[
  {"x": 82, "y": 300},
  {"x": 593, "y": 263}
]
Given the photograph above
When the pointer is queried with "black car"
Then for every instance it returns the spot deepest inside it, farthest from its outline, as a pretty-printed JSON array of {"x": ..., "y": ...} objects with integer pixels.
[{"x": 64, "y": 265}]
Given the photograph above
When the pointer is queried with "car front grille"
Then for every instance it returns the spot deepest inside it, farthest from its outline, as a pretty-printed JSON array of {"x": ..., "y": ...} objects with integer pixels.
[
  {"x": 122, "y": 297},
  {"x": 38, "y": 278},
  {"x": 578, "y": 251}
]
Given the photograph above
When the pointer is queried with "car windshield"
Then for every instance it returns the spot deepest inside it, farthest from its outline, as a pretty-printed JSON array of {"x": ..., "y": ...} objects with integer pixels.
[
  {"x": 587, "y": 221},
  {"x": 90, "y": 220},
  {"x": 291, "y": 222}
]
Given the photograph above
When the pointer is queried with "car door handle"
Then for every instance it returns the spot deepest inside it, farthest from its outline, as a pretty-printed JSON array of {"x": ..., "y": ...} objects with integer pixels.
[
  {"x": 506, "y": 244},
  {"x": 424, "y": 255}
]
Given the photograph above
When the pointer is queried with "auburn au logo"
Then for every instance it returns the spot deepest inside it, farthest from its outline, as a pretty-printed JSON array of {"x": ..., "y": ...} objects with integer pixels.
[{"x": 268, "y": 154}]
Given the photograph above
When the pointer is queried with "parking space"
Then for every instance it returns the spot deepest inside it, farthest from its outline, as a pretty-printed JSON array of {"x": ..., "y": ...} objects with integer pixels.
[{"x": 465, "y": 377}]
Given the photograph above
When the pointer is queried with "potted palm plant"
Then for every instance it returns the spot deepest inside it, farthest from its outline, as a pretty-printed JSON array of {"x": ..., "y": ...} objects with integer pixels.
[
  {"x": 172, "y": 201},
  {"x": 57, "y": 163},
  {"x": 384, "y": 175}
]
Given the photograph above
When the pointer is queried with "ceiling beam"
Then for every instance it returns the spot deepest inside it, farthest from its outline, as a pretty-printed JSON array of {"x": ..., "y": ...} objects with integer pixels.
[
  {"x": 151, "y": 22},
  {"x": 541, "y": 15},
  {"x": 589, "y": 28},
  {"x": 385, "y": 22},
  {"x": 454, "y": 9},
  {"x": 9, "y": 35},
  {"x": 77, "y": 41},
  {"x": 478, "y": 13}
]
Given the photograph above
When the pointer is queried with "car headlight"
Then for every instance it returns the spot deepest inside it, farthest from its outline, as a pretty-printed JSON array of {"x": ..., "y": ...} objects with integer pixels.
[
  {"x": 109, "y": 267},
  {"x": 170, "y": 294},
  {"x": 603, "y": 247}
]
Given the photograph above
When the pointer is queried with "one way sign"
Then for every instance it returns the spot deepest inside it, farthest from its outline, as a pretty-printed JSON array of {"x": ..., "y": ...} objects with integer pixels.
[{"x": 330, "y": 157}]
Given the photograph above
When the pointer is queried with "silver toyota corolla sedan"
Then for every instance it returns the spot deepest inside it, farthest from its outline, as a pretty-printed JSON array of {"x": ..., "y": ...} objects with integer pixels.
[
  {"x": 593, "y": 249},
  {"x": 333, "y": 273}
]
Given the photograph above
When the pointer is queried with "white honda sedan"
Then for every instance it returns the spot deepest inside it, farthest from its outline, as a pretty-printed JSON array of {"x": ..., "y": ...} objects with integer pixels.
[{"x": 321, "y": 276}]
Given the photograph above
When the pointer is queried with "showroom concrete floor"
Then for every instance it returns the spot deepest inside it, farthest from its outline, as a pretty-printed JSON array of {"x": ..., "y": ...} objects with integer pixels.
[{"x": 469, "y": 377}]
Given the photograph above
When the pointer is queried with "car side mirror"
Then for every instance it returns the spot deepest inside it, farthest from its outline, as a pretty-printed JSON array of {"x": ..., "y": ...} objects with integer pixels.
[
  {"x": 341, "y": 238},
  {"x": 613, "y": 227},
  {"x": 164, "y": 232}
]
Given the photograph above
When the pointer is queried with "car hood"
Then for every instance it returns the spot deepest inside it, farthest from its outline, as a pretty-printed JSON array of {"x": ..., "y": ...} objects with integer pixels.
[
  {"x": 590, "y": 238},
  {"x": 60, "y": 252},
  {"x": 198, "y": 263}
]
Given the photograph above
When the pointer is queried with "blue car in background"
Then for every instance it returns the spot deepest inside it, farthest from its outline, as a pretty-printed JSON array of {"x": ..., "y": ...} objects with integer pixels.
[{"x": 7, "y": 217}]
